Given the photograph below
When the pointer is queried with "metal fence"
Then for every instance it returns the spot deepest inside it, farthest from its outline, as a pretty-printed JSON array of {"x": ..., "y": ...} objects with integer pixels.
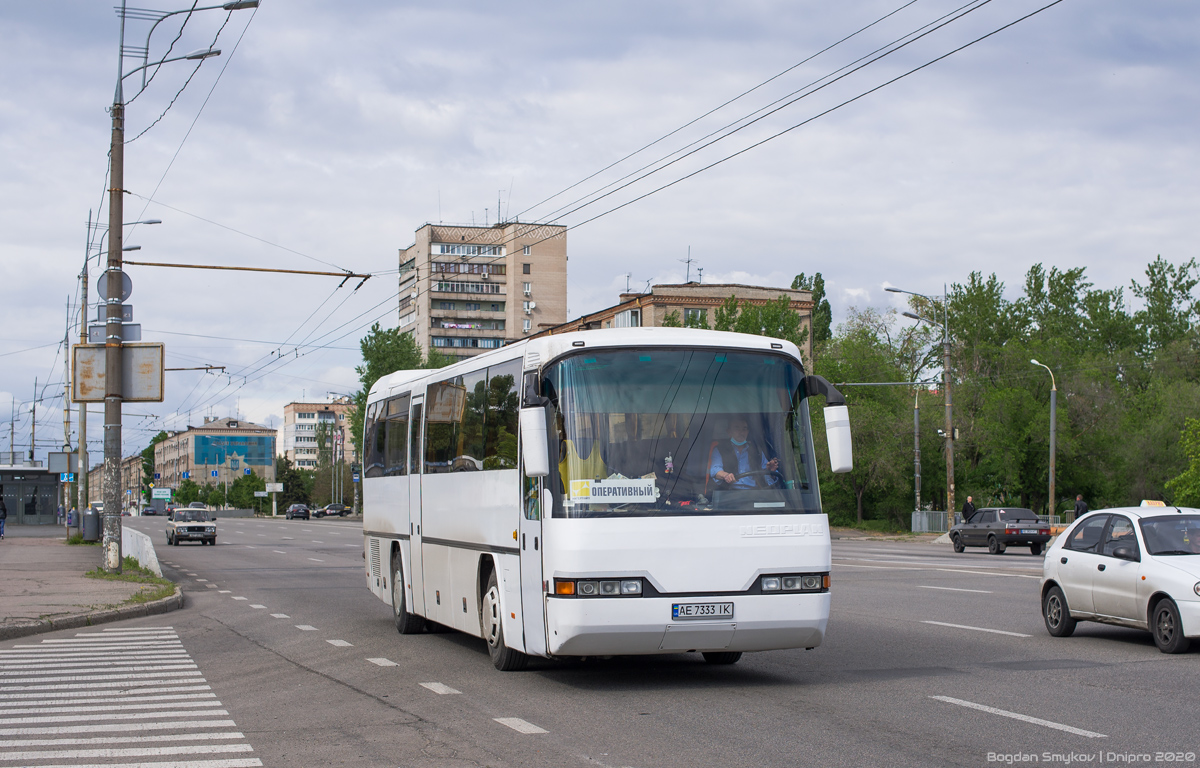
[{"x": 924, "y": 521}]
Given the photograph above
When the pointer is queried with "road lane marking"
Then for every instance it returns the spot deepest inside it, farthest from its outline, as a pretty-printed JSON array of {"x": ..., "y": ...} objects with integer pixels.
[
  {"x": 81, "y": 741},
  {"x": 241, "y": 598},
  {"x": 315, "y": 560},
  {"x": 258, "y": 606},
  {"x": 956, "y": 589},
  {"x": 519, "y": 725},
  {"x": 281, "y": 615},
  {"x": 306, "y": 627},
  {"x": 340, "y": 643},
  {"x": 211, "y": 586},
  {"x": 224, "y": 591},
  {"x": 443, "y": 689},
  {"x": 190, "y": 749},
  {"x": 383, "y": 662},
  {"x": 201, "y": 581},
  {"x": 279, "y": 551},
  {"x": 314, "y": 541},
  {"x": 976, "y": 629},
  {"x": 288, "y": 538},
  {"x": 193, "y": 574},
  {"x": 989, "y": 573},
  {"x": 1019, "y": 716}
]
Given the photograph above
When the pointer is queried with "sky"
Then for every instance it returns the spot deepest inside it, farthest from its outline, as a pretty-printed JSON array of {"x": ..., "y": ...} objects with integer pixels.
[{"x": 326, "y": 133}]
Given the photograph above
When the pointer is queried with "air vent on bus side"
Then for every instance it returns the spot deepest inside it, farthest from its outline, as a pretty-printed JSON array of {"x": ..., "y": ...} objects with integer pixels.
[
  {"x": 532, "y": 359},
  {"x": 375, "y": 564}
]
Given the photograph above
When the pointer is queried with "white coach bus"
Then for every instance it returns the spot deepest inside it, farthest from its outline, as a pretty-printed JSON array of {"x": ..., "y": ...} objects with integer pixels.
[{"x": 608, "y": 492}]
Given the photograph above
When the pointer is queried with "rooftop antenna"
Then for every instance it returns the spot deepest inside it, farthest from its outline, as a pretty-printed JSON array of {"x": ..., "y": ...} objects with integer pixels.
[
  {"x": 701, "y": 271},
  {"x": 485, "y": 217},
  {"x": 627, "y": 276},
  {"x": 688, "y": 261}
]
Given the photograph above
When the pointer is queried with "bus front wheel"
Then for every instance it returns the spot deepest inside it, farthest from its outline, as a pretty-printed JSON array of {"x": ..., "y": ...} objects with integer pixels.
[
  {"x": 504, "y": 658},
  {"x": 406, "y": 623},
  {"x": 722, "y": 657}
]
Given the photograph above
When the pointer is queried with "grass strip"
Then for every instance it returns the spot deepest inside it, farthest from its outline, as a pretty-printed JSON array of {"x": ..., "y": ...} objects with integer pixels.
[{"x": 155, "y": 587}]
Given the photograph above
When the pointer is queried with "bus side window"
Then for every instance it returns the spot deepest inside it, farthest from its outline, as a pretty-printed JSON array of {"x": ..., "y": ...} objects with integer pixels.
[
  {"x": 415, "y": 440},
  {"x": 373, "y": 438},
  {"x": 395, "y": 448},
  {"x": 503, "y": 410}
]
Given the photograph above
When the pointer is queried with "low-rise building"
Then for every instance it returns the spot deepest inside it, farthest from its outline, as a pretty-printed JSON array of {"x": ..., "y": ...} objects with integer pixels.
[
  {"x": 217, "y": 452},
  {"x": 132, "y": 474},
  {"x": 303, "y": 423},
  {"x": 691, "y": 303}
]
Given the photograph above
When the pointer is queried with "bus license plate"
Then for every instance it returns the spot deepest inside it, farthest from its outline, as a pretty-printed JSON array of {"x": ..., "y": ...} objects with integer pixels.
[{"x": 685, "y": 611}]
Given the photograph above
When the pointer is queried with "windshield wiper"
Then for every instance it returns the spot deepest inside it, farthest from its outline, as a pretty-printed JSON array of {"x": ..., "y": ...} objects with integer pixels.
[{"x": 1174, "y": 552}]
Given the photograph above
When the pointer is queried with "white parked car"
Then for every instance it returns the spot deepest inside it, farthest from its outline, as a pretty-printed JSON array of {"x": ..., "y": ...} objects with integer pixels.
[
  {"x": 191, "y": 525},
  {"x": 1133, "y": 567}
]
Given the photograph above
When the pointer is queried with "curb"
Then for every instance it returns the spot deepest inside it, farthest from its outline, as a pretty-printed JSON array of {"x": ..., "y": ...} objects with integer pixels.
[{"x": 164, "y": 605}]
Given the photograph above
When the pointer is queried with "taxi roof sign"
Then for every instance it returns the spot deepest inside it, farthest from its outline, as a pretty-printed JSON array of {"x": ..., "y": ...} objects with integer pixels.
[{"x": 1153, "y": 503}]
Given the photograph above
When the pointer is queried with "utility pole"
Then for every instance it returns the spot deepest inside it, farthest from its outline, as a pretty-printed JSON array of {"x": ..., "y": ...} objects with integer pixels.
[
  {"x": 33, "y": 423},
  {"x": 917, "y": 452},
  {"x": 82, "y": 487},
  {"x": 946, "y": 373},
  {"x": 111, "y": 519}
]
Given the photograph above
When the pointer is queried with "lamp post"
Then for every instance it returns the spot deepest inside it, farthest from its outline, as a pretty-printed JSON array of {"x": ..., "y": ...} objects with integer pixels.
[
  {"x": 1053, "y": 427},
  {"x": 917, "y": 451},
  {"x": 945, "y": 326},
  {"x": 113, "y": 384}
]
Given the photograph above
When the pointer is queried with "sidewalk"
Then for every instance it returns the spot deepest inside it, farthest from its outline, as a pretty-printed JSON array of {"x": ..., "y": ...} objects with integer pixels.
[{"x": 42, "y": 586}]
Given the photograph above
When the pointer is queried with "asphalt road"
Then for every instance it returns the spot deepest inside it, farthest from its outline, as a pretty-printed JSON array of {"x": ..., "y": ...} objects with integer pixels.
[{"x": 931, "y": 658}]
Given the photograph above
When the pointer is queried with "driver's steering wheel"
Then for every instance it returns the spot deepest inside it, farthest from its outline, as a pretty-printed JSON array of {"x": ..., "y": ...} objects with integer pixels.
[{"x": 751, "y": 473}]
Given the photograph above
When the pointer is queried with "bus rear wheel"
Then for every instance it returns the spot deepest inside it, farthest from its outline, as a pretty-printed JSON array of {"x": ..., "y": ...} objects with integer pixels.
[
  {"x": 504, "y": 658},
  {"x": 722, "y": 657},
  {"x": 406, "y": 623}
]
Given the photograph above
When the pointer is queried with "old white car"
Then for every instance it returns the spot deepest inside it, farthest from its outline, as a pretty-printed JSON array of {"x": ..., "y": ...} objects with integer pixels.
[
  {"x": 1132, "y": 567},
  {"x": 191, "y": 525}
]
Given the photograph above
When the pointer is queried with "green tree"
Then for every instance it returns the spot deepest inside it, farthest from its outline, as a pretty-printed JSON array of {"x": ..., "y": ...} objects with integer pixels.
[
  {"x": 822, "y": 314},
  {"x": 774, "y": 318},
  {"x": 241, "y": 491},
  {"x": 148, "y": 463},
  {"x": 297, "y": 483},
  {"x": 671, "y": 320},
  {"x": 1185, "y": 488},
  {"x": 187, "y": 492},
  {"x": 1171, "y": 308}
]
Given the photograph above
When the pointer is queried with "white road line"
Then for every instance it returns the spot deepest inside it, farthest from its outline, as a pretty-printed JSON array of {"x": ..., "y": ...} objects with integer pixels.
[
  {"x": 306, "y": 627},
  {"x": 211, "y": 586},
  {"x": 289, "y": 538},
  {"x": 251, "y": 546},
  {"x": 1023, "y": 718},
  {"x": 240, "y": 598},
  {"x": 93, "y": 694},
  {"x": 281, "y": 615},
  {"x": 956, "y": 589},
  {"x": 350, "y": 545},
  {"x": 279, "y": 551},
  {"x": 93, "y": 641},
  {"x": 314, "y": 541},
  {"x": 201, "y": 581},
  {"x": 315, "y": 560},
  {"x": 193, "y": 574},
  {"x": 443, "y": 689},
  {"x": 258, "y": 606},
  {"x": 91, "y": 666},
  {"x": 383, "y": 662},
  {"x": 97, "y": 716},
  {"x": 8, "y": 684},
  {"x": 224, "y": 591},
  {"x": 976, "y": 629},
  {"x": 86, "y": 740},
  {"x": 519, "y": 725},
  {"x": 340, "y": 643},
  {"x": 37, "y": 710},
  {"x": 189, "y": 749},
  {"x": 115, "y": 728},
  {"x": 52, "y": 702},
  {"x": 988, "y": 573}
]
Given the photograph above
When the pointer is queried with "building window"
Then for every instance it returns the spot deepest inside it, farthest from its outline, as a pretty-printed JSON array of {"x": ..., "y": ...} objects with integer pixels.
[
  {"x": 408, "y": 319},
  {"x": 455, "y": 287},
  {"x": 630, "y": 318},
  {"x": 695, "y": 318},
  {"x": 497, "y": 307},
  {"x": 467, "y": 250},
  {"x": 469, "y": 269},
  {"x": 457, "y": 342},
  {"x": 527, "y": 306},
  {"x": 472, "y": 306},
  {"x": 526, "y": 325},
  {"x": 306, "y": 415},
  {"x": 445, "y": 305},
  {"x": 528, "y": 287},
  {"x": 525, "y": 251}
]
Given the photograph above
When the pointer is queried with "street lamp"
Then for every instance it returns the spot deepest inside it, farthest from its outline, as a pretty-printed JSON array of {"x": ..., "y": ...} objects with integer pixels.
[
  {"x": 116, "y": 211},
  {"x": 1053, "y": 426},
  {"x": 945, "y": 326}
]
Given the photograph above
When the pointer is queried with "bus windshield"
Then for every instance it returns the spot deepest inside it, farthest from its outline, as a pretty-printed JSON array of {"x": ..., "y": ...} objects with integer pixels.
[{"x": 657, "y": 432}]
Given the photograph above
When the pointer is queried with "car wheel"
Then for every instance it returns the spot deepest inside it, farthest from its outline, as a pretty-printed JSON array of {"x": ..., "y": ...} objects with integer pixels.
[
  {"x": 1058, "y": 617},
  {"x": 1167, "y": 628},
  {"x": 959, "y": 547},
  {"x": 722, "y": 657},
  {"x": 994, "y": 546},
  {"x": 406, "y": 623},
  {"x": 504, "y": 658},
  {"x": 175, "y": 541},
  {"x": 1035, "y": 549}
]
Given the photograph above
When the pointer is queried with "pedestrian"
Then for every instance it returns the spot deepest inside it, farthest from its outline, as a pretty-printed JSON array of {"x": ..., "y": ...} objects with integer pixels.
[
  {"x": 3, "y": 517},
  {"x": 968, "y": 509},
  {"x": 1081, "y": 507}
]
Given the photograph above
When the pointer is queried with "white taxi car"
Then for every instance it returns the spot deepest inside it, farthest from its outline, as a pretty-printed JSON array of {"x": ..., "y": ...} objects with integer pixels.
[{"x": 1133, "y": 567}]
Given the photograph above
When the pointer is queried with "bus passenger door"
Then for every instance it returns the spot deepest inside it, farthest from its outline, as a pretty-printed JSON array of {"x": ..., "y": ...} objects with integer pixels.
[
  {"x": 531, "y": 546},
  {"x": 416, "y": 463}
]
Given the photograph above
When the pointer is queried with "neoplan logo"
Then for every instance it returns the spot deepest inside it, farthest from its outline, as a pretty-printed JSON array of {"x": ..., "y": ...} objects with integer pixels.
[{"x": 783, "y": 529}]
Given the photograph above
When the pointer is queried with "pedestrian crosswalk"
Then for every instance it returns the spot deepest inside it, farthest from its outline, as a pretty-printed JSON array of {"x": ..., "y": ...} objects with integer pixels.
[{"x": 113, "y": 697}]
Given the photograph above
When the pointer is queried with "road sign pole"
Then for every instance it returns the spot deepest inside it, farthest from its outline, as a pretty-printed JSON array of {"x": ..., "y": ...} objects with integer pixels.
[{"x": 112, "y": 339}]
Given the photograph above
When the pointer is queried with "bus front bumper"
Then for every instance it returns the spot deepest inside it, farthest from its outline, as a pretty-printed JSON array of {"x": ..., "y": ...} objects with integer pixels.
[{"x": 635, "y": 626}]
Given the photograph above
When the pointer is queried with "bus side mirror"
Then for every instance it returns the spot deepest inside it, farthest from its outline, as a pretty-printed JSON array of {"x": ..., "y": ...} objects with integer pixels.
[
  {"x": 837, "y": 432},
  {"x": 535, "y": 448}
]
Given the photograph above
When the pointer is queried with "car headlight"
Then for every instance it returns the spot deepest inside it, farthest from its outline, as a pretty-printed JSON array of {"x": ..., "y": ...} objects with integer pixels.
[
  {"x": 210, "y": 530},
  {"x": 1196, "y": 588}
]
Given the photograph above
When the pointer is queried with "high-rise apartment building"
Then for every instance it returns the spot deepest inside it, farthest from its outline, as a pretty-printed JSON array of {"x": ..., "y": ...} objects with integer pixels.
[
  {"x": 464, "y": 290},
  {"x": 302, "y": 426}
]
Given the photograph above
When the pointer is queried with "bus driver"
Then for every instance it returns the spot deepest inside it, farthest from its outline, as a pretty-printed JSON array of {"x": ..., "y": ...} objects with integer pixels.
[{"x": 739, "y": 455}]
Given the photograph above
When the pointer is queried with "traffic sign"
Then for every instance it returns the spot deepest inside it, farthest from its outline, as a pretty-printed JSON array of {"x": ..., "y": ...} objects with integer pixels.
[
  {"x": 274, "y": 487},
  {"x": 260, "y": 494},
  {"x": 246, "y": 471},
  {"x": 160, "y": 493},
  {"x": 355, "y": 477},
  {"x": 187, "y": 475},
  {"x": 214, "y": 473},
  {"x": 126, "y": 286},
  {"x": 157, "y": 476}
]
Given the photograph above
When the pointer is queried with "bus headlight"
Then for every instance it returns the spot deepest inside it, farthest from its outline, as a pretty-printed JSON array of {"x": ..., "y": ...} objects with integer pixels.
[
  {"x": 770, "y": 584},
  {"x": 598, "y": 588},
  {"x": 631, "y": 587},
  {"x": 609, "y": 588},
  {"x": 588, "y": 588},
  {"x": 795, "y": 582}
]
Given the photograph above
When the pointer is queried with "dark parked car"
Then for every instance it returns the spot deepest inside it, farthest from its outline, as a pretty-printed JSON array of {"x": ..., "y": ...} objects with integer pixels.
[
  {"x": 331, "y": 510},
  {"x": 297, "y": 511},
  {"x": 998, "y": 528}
]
